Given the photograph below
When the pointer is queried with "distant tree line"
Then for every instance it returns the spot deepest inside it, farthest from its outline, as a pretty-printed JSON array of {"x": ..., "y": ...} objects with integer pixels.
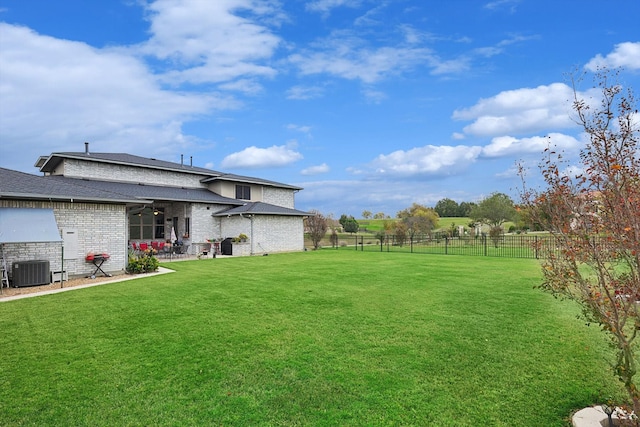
[
  {"x": 418, "y": 219},
  {"x": 451, "y": 208}
]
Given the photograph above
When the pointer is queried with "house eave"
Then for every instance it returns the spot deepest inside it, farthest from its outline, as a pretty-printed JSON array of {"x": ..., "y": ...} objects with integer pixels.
[{"x": 59, "y": 198}]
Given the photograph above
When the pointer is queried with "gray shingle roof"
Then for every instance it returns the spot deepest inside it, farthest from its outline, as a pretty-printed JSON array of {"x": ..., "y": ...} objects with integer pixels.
[
  {"x": 260, "y": 208},
  {"x": 152, "y": 192},
  {"x": 54, "y": 159},
  {"x": 48, "y": 164},
  {"x": 20, "y": 185},
  {"x": 249, "y": 180}
]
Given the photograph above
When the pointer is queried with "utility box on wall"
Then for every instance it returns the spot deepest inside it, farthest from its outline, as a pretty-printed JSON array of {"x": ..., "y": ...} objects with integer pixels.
[{"x": 70, "y": 239}]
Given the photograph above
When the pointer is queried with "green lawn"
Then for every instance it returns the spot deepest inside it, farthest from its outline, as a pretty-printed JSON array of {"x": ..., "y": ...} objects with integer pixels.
[{"x": 316, "y": 338}]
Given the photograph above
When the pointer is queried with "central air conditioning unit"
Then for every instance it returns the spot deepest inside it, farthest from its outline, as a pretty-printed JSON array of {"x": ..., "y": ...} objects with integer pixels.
[{"x": 30, "y": 273}]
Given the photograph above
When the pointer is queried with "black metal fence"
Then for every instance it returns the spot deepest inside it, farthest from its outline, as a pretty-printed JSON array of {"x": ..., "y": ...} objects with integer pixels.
[{"x": 508, "y": 246}]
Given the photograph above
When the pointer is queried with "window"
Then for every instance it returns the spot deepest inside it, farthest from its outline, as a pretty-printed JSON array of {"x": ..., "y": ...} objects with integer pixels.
[
  {"x": 243, "y": 192},
  {"x": 187, "y": 226},
  {"x": 159, "y": 219},
  {"x": 146, "y": 224}
]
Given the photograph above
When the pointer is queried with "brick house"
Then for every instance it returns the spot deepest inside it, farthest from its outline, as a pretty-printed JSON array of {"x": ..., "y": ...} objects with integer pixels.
[{"x": 103, "y": 202}]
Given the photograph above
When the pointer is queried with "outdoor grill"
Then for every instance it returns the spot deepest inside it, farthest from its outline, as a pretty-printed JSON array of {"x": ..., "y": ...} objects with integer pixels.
[{"x": 97, "y": 260}]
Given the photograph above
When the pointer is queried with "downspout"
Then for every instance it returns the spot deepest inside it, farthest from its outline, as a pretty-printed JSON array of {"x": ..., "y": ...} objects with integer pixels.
[
  {"x": 251, "y": 235},
  {"x": 251, "y": 252}
]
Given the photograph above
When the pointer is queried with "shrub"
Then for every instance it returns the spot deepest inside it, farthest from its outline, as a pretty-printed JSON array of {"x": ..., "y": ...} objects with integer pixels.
[
  {"x": 145, "y": 262},
  {"x": 495, "y": 233}
]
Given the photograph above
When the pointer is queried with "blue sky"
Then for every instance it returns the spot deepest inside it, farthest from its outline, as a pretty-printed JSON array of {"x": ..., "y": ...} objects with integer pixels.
[{"x": 365, "y": 104}]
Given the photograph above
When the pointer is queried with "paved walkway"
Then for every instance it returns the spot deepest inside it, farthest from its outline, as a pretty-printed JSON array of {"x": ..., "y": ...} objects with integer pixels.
[{"x": 120, "y": 278}]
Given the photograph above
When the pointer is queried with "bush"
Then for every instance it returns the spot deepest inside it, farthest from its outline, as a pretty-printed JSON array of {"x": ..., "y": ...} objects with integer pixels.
[
  {"x": 495, "y": 233},
  {"x": 145, "y": 262}
]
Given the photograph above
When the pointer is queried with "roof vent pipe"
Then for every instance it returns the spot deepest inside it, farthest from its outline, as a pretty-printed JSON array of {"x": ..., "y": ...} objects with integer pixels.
[
  {"x": 86, "y": 148},
  {"x": 191, "y": 161},
  {"x": 181, "y": 159}
]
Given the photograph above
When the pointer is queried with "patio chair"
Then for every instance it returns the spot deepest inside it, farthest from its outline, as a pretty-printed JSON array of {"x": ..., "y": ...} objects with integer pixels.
[
  {"x": 165, "y": 249},
  {"x": 181, "y": 250},
  {"x": 144, "y": 246}
]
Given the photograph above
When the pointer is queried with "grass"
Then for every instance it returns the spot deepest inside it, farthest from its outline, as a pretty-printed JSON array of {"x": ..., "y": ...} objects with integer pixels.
[{"x": 316, "y": 338}]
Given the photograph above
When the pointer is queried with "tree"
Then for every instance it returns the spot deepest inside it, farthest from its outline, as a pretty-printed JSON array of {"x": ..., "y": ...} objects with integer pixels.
[
  {"x": 400, "y": 232},
  {"x": 366, "y": 214},
  {"x": 595, "y": 218},
  {"x": 349, "y": 223},
  {"x": 334, "y": 238},
  {"x": 494, "y": 210},
  {"x": 418, "y": 219},
  {"x": 379, "y": 215},
  {"x": 316, "y": 225},
  {"x": 464, "y": 208},
  {"x": 447, "y": 207}
]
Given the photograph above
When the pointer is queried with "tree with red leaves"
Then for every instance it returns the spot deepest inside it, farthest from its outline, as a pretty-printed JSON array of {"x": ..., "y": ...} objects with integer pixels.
[{"x": 594, "y": 216}]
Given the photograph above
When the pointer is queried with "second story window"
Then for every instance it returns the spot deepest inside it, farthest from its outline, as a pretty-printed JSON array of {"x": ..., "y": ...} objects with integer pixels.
[{"x": 243, "y": 192}]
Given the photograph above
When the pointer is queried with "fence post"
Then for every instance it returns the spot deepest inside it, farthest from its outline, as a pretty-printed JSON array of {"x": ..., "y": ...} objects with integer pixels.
[
  {"x": 484, "y": 243},
  {"x": 535, "y": 245},
  {"x": 446, "y": 245},
  {"x": 411, "y": 242}
]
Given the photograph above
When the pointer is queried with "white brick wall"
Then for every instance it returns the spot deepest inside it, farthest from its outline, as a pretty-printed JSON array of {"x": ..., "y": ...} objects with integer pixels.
[
  {"x": 279, "y": 197},
  {"x": 278, "y": 234},
  {"x": 269, "y": 234},
  {"x": 101, "y": 228},
  {"x": 109, "y": 172}
]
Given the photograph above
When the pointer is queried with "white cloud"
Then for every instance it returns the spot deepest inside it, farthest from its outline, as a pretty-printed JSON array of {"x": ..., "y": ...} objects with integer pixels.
[
  {"x": 256, "y": 158},
  {"x": 212, "y": 41},
  {"x": 510, "y": 146},
  {"x": 325, "y": 6},
  {"x": 356, "y": 63},
  {"x": 62, "y": 93},
  {"x": 374, "y": 96},
  {"x": 298, "y": 128},
  {"x": 305, "y": 92},
  {"x": 498, "y": 4},
  {"x": 498, "y": 48},
  {"x": 572, "y": 171},
  {"x": 626, "y": 55},
  {"x": 347, "y": 55},
  {"x": 520, "y": 110},
  {"x": 427, "y": 160},
  {"x": 315, "y": 170},
  {"x": 247, "y": 86}
]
